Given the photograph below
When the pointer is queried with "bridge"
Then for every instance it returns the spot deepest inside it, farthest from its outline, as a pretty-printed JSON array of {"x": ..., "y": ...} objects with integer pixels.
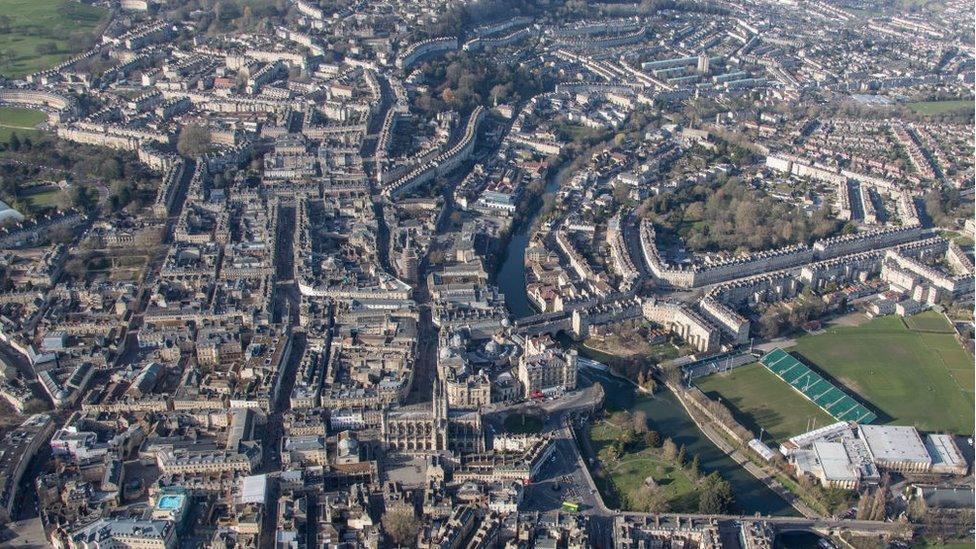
[
  {"x": 824, "y": 526},
  {"x": 545, "y": 323}
]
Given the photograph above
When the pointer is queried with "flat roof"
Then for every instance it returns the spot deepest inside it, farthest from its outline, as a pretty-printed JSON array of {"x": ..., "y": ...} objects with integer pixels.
[
  {"x": 833, "y": 459},
  {"x": 894, "y": 443},
  {"x": 943, "y": 450}
]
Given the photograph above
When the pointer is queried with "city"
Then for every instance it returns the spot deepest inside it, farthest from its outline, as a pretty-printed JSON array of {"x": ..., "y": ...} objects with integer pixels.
[{"x": 487, "y": 273}]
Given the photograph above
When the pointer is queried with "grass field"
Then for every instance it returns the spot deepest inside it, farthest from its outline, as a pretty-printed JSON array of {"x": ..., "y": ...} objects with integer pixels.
[
  {"x": 757, "y": 398},
  {"x": 628, "y": 472},
  {"x": 44, "y": 32},
  {"x": 919, "y": 378},
  {"x": 929, "y": 321},
  {"x": 21, "y": 121},
  {"x": 43, "y": 199},
  {"x": 940, "y": 107}
]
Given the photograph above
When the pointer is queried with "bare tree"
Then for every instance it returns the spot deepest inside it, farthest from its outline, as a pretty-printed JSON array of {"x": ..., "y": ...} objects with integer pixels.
[
  {"x": 194, "y": 140},
  {"x": 640, "y": 421},
  {"x": 401, "y": 524}
]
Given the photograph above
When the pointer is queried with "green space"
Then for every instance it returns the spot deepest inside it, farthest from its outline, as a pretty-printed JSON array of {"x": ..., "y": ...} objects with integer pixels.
[
  {"x": 820, "y": 391},
  {"x": 578, "y": 133},
  {"x": 912, "y": 377},
  {"x": 759, "y": 399},
  {"x": 43, "y": 199},
  {"x": 624, "y": 474},
  {"x": 523, "y": 424},
  {"x": 39, "y": 34},
  {"x": 929, "y": 108},
  {"x": 21, "y": 121},
  {"x": 929, "y": 321}
]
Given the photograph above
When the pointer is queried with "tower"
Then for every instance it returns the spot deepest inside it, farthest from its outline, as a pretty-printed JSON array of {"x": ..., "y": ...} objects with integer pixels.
[
  {"x": 702, "y": 63},
  {"x": 439, "y": 412}
]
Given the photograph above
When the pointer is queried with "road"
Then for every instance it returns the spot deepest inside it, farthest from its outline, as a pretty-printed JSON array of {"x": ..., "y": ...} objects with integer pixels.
[{"x": 565, "y": 477}]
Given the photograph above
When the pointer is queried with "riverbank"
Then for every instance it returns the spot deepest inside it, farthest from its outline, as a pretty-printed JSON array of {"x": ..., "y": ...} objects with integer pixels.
[
  {"x": 736, "y": 455},
  {"x": 669, "y": 418},
  {"x": 733, "y": 453}
]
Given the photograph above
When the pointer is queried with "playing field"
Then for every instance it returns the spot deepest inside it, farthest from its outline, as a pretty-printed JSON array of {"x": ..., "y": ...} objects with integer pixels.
[
  {"x": 920, "y": 378},
  {"x": 759, "y": 399},
  {"x": 21, "y": 121},
  {"x": 929, "y": 321},
  {"x": 939, "y": 107},
  {"x": 42, "y": 33}
]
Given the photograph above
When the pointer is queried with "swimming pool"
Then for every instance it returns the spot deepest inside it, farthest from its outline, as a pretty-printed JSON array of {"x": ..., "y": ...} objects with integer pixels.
[{"x": 168, "y": 502}]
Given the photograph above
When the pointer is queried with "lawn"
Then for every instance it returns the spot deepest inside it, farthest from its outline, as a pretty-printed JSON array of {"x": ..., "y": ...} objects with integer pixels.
[
  {"x": 628, "y": 473},
  {"x": 44, "y": 199},
  {"x": 21, "y": 121},
  {"x": 757, "y": 398},
  {"x": 913, "y": 377},
  {"x": 939, "y": 107},
  {"x": 929, "y": 321},
  {"x": 44, "y": 33}
]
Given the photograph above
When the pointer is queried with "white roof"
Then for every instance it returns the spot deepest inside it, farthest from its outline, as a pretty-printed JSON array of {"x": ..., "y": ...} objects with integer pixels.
[
  {"x": 834, "y": 461},
  {"x": 254, "y": 489},
  {"x": 894, "y": 443},
  {"x": 943, "y": 450}
]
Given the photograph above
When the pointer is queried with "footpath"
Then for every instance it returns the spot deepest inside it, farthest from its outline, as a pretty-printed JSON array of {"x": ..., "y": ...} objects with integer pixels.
[{"x": 744, "y": 462}]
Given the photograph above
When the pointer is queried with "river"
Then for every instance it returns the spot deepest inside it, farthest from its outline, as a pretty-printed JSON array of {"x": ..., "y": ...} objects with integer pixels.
[
  {"x": 511, "y": 274},
  {"x": 669, "y": 418},
  {"x": 664, "y": 411}
]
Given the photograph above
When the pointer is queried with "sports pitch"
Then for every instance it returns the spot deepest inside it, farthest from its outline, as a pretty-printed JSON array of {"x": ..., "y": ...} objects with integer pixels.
[
  {"x": 920, "y": 377},
  {"x": 759, "y": 399}
]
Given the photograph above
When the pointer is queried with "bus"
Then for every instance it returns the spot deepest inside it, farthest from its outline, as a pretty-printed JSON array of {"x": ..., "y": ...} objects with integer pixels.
[{"x": 570, "y": 506}]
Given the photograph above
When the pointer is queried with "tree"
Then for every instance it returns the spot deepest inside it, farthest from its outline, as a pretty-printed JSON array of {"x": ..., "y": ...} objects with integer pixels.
[
  {"x": 680, "y": 458},
  {"x": 14, "y": 142},
  {"x": 694, "y": 469},
  {"x": 770, "y": 323},
  {"x": 650, "y": 385},
  {"x": 194, "y": 140},
  {"x": 626, "y": 439},
  {"x": 652, "y": 439},
  {"x": 401, "y": 525},
  {"x": 650, "y": 499},
  {"x": 640, "y": 421},
  {"x": 715, "y": 496},
  {"x": 75, "y": 267},
  {"x": 621, "y": 192},
  {"x": 670, "y": 449}
]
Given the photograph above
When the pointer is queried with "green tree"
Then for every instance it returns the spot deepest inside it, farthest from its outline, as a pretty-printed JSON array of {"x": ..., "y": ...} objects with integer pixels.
[
  {"x": 652, "y": 439},
  {"x": 694, "y": 469},
  {"x": 715, "y": 495}
]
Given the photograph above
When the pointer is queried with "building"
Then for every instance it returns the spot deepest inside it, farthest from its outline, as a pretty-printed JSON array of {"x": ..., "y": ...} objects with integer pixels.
[
  {"x": 544, "y": 369},
  {"x": 16, "y": 450},
  {"x": 899, "y": 448}
]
